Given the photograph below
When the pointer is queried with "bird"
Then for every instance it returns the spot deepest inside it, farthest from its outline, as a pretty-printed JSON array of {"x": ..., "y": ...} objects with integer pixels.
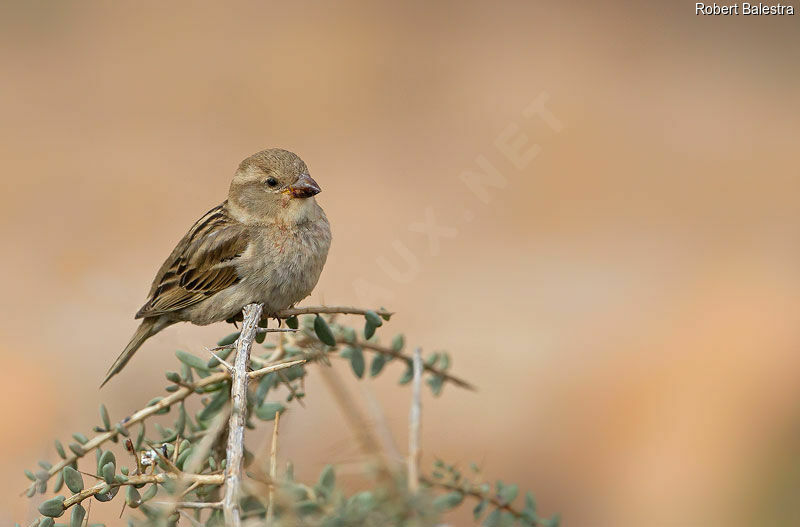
[{"x": 266, "y": 243}]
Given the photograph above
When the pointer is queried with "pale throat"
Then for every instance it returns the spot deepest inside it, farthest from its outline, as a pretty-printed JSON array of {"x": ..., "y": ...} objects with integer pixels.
[
  {"x": 287, "y": 211},
  {"x": 301, "y": 210}
]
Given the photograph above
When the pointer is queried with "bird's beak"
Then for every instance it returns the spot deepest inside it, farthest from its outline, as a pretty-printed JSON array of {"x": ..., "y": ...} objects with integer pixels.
[{"x": 304, "y": 187}]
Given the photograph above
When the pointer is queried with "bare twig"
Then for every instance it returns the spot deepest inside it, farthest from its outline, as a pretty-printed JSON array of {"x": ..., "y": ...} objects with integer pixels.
[
  {"x": 273, "y": 467},
  {"x": 383, "y": 350},
  {"x": 329, "y": 310},
  {"x": 201, "y": 479},
  {"x": 236, "y": 423},
  {"x": 474, "y": 492},
  {"x": 257, "y": 374},
  {"x": 303, "y": 341},
  {"x": 191, "y": 504},
  {"x": 414, "y": 424}
]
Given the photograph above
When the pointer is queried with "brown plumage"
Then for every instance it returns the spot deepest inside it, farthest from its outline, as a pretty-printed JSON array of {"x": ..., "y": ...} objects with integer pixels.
[
  {"x": 191, "y": 273},
  {"x": 266, "y": 243}
]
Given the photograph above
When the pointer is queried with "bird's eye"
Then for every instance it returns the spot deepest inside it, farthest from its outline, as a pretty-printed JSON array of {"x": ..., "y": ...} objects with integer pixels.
[{"x": 272, "y": 182}]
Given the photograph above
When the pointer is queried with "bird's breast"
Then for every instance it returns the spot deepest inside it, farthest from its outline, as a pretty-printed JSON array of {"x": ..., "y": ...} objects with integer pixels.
[{"x": 283, "y": 263}]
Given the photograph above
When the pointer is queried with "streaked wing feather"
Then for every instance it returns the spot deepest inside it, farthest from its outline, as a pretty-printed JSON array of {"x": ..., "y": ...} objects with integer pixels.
[{"x": 198, "y": 266}]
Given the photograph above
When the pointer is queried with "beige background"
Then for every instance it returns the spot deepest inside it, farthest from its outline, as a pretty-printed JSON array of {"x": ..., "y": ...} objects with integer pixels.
[{"x": 627, "y": 301}]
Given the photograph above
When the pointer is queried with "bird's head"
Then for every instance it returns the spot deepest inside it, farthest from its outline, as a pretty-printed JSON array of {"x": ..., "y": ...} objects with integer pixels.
[{"x": 273, "y": 185}]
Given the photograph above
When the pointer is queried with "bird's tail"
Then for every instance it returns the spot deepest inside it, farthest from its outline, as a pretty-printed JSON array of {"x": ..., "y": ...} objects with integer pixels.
[{"x": 148, "y": 328}]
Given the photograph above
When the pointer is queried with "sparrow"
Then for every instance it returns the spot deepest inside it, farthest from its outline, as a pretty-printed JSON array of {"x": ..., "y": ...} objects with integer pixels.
[{"x": 266, "y": 243}]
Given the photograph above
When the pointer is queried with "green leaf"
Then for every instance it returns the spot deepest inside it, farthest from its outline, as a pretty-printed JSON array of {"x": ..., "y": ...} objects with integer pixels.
[
  {"x": 508, "y": 493},
  {"x": 323, "y": 331},
  {"x": 108, "y": 473},
  {"x": 139, "y": 437},
  {"x": 30, "y": 475},
  {"x": 373, "y": 318},
  {"x": 432, "y": 359},
  {"x": 407, "y": 376},
  {"x": 104, "y": 417},
  {"x": 306, "y": 507},
  {"x": 54, "y": 507},
  {"x": 107, "y": 493},
  {"x": 80, "y": 438},
  {"x": 436, "y": 383},
  {"x": 132, "y": 497},
  {"x": 58, "y": 481},
  {"x": 105, "y": 458},
  {"x": 357, "y": 362},
  {"x": 398, "y": 342},
  {"x": 369, "y": 329},
  {"x": 180, "y": 423},
  {"x": 444, "y": 361},
  {"x": 292, "y": 322},
  {"x": 150, "y": 492},
  {"x": 448, "y": 501},
  {"x": 267, "y": 411},
  {"x": 493, "y": 520},
  {"x": 214, "y": 406},
  {"x": 230, "y": 339},
  {"x": 264, "y": 386},
  {"x": 46, "y": 522},
  {"x": 73, "y": 479},
  {"x": 77, "y": 516},
  {"x": 479, "y": 508},
  {"x": 77, "y": 449},
  {"x": 191, "y": 360},
  {"x": 530, "y": 506},
  {"x": 182, "y": 457},
  {"x": 378, "y": 363},
  {"x": 327, "y": 480},
  {"x": 60, "y": 449}
]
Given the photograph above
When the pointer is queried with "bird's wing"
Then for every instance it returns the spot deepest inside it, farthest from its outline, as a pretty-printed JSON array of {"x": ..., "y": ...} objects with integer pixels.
[{"x": 199, "y": 266}]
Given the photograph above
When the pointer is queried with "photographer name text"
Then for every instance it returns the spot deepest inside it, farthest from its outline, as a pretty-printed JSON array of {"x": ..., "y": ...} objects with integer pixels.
[{"x": 743, "y": 9}]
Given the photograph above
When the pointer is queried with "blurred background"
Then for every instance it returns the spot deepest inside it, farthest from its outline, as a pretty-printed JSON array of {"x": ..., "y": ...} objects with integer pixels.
[{"x": 624, "y": 291}]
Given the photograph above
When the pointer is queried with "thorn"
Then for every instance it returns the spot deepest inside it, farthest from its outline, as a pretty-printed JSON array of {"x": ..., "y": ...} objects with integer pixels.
[{"x": 222, "y": 361}]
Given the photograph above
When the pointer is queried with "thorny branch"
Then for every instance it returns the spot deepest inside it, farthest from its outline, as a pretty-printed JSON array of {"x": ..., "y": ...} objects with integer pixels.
[
  {"x": 235, "y": 449},
  {"x": 238, "y": 374}
]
